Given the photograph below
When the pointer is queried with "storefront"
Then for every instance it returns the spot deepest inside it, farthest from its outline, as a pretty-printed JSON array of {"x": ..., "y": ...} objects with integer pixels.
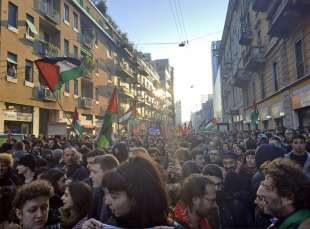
[
  {"x": 301, "y": 107},
  {"x": 264, "y": 116},
  {"x": 277, "y": 113},
  {"x": 18, "y": 118}
]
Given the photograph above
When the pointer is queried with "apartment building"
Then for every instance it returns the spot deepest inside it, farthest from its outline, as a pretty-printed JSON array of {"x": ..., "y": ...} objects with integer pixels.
[
  {"x": 77, "y": 28},
  {"x": 265, "y": 61}
]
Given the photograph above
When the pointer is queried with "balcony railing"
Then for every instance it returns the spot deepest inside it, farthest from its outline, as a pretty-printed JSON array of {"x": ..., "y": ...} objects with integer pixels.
[
  {"x": 87, "y": 39},
  {"x": 240, "y": 77},
  {"x": 86, "y": 103},
  {"x": 48, "y": 10},
  {"x": 285, "y": 15},
  {"x": 253, "y": 58},
  {"x": 47, "y": 49},
  {"x": 43, "y": 93},
  {"x": 260, "y": 5}
]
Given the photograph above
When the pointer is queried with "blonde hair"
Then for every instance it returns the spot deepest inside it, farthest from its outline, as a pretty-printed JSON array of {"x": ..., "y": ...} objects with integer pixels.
[{"x": 7, "y": 159}]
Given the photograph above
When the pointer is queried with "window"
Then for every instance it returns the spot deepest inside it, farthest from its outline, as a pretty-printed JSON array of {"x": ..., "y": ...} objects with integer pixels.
[
  {"x": 75, "y": 21},
  {"x": 67, "y": 87},
  {"x": 29, "y": 71},
  {"x": 12, "y": 20},
  {"x": 66, "y": 47},
  {"x": 12, "y": 65},
  {"x": 97, "y": 94},
  {"x": 300, "y": 66},
  {"x": 110, "y": 76},
  {"x": 275, "y": 76},
  {"x": 75, "y": 52},
  {"x": 66, "y": 13},
  {"x": 262, "y": 84},
  {"x": 76, "y": 87},
  {"x": 30, "y": 27}
]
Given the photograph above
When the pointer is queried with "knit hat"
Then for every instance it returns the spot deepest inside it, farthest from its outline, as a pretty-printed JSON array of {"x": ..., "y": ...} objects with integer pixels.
[
  {"x": 268, "y": 152},
  {"x": 229, "y": 154},
  {"x": 28, "y": 161}
]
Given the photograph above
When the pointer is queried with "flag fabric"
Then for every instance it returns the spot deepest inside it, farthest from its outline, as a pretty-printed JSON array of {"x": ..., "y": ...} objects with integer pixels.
[
  {"x": 76, "y": 122},
  {"x": 129, "y": 114},
  {"x": 211, "y": 125},
  {"x": 59, "y": 70},
  {"x": 254, "y": 115},
  {"x": 105, "y": 138}
]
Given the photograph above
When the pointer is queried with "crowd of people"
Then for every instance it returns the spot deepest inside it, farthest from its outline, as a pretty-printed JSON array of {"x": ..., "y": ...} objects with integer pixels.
[{"x": 231, "y": 180}]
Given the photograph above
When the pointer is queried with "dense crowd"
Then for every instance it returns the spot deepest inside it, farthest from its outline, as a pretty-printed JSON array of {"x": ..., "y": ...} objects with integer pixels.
[{"x": 237, "y": 180}]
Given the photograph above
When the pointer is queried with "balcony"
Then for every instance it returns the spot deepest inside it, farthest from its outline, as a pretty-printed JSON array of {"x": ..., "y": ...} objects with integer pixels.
[
  {"x": 260, "y": 5},
  {"x": 253, "y": 58},
  {"x": 48, "y": 10},
  {"x": 245, "y": 34},
  {"x": 240, "y": 78},
  {"x": 125, "y": 71},
  {"x": 47, "y": 49},
  {"x": 85, "y": 103},
  {"x": 285, "y": 15},
  {"x": 43, "y": 93},
  {"x": 87, "y": 38},
  {"x": 125, "y": 91}
]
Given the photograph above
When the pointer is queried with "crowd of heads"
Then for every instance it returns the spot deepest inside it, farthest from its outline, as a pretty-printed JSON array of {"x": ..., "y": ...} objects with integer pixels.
[{"x": 214, "y": 180}]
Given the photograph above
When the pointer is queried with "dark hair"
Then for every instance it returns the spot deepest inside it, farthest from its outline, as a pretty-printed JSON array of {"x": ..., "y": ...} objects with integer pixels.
[
  {"x": 120, "y": 151},
  {"x": 212, "y": 170},
  {"x": 95, "y": 153},
  {"x": 31, "y": 191},
  {"x": 193, "y": 186},
  {"x": 80, "y": 193},
  {"x": 53, "y": 176},
  {"x": 196, "y": 152},
  {"x": 19, "y": 145},
  {"x": 189, "y": 168},
  {"x": 141, "y": 179},
  {"x": 289, "y": 179},
  {"x": 106, "y": 162},
  {"x": 299, "y": 136}
]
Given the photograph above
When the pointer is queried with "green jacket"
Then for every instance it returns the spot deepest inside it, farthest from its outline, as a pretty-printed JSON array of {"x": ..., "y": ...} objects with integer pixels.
[{"x": 294, "y": 220}]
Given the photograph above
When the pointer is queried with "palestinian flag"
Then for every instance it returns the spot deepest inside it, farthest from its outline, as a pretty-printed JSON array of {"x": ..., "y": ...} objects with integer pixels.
[
  {"x": 254, "y": 115},
  {"x": 130, "y": 113},
  {"x": 104, "y": 138},
  {"x": 76, "y": 122},
  {"x": 59, "y": 70},
  {"x": 211, "y": 125}
]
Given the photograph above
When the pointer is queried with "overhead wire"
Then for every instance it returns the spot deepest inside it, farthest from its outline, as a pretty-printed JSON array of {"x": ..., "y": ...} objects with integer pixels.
[
  {"x": 182, "y": 18},
  {"x": 179, "y": 18},
  {"x": 175, "y": 20}
]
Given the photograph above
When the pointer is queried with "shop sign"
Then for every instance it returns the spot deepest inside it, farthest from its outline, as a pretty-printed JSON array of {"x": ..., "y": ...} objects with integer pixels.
[
  {"x": 264, "y": 113},
  {"x": 277, "y": 110},
  {"x": 301, "y": 98},
  {"x": 17, "y": 116}
]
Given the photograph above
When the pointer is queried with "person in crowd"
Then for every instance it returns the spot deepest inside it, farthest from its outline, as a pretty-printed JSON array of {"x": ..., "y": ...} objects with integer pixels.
[
  {"x": 287, "y": 196},
  {"x": 214, "y": 157},
  {"x": 72, "y": 164},
  {"x": 299, "y": 153},
  {"x": 154, "y": 153},
  {"x": 248, "y": 166},
  {"x": 76, "y": 205},
  {"x": 7, "y": 176},
  {"x": 26, "y": 168},
  {"x": 120, "y": 151},
  {"x": 90, "y": 156},
  {"x": 182, "y": 155},
  {"x": 189, "y": 168},
  {"x": 19, "y": 151},
  {"x": 262, "y": 139},
  {"x": 57, "y": 154},
  {"x": 238, "y": 150},
  {"x": 129, "y": 193},
  {"x": 275, "y": 140},
  {"x": 57, "y": 178},
  {"x": 288, "y": 135},
  {"x": 36, "y": 147},
  {"x": 31, "y": 204},
  {"x": 101, "y": 165},
  {"x": 198, "y": 157},
  {"x": 263, "y": 154},
  {"x": 197, "y": 198},
  {"x": 225, "y": 146},
  {"x": 231, "y": 212},
  {"x": 174, "y": 179}
]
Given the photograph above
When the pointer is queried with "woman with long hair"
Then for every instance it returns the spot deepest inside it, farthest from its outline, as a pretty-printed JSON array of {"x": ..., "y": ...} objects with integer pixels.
[
  {"x": 136, "y": 195},
  {"x": 76, "y": 200}
]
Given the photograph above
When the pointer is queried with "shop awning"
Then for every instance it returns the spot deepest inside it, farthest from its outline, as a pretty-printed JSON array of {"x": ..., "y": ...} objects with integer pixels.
[{"x": 32, "y": 27}]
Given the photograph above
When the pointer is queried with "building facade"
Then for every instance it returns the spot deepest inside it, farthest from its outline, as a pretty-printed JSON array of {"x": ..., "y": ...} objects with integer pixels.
[
  {"x": 265, "y": 61},
  {"x": 178, "y": 113},
  {"x": 215, "y": 59},
  {"x": 72, "y": 28}
]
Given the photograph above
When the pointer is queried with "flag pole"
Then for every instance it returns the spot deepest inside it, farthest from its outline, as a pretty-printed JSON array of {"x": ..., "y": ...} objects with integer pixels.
[
  {"x": 61, "y": 107},
  {"x": 118, "y": 106}
]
